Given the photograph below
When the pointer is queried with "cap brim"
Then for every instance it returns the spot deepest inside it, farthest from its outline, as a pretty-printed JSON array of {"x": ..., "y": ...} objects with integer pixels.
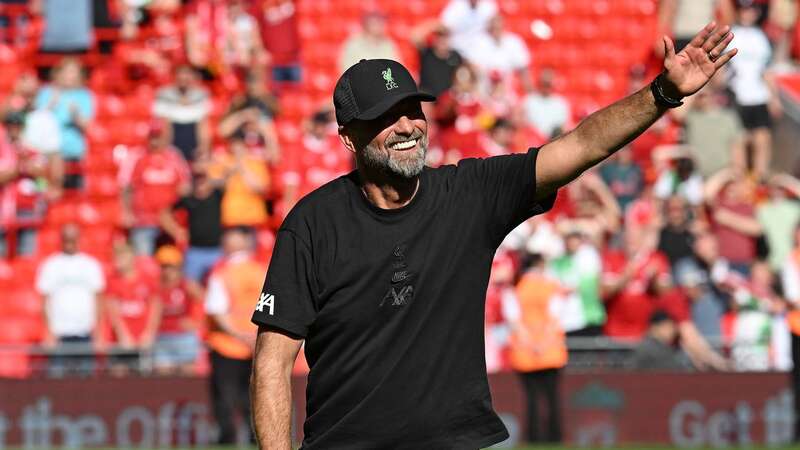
[{"x": 387, "y": 103}]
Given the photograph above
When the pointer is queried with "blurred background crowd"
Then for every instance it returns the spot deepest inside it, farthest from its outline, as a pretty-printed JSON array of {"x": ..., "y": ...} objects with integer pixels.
[{"x": 150, "y": 149}]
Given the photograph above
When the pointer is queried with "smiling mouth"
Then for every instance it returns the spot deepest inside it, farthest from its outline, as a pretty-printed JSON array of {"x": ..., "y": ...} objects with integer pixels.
[{"x": 404, "y": 145}]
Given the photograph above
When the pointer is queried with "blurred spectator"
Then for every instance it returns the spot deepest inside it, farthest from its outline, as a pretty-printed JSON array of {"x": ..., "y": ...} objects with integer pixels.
[
  {"x": 222, "y": 36},
  {"x": 713, "y": 133},
  {"x": 72, "y": 105},
  {"x": 158, "y": 179},
  {"x": 70, "y": 282},
  {"x": 624, "y": 178},
  {"x": 318, "y": 159},
  {"x": 23, "y": 94},
  {"x": 68, "y": 25},
  {"x": 657, "y": 349},
  {"x": 751, "y": 84},
  {"x": 790, "y": 282},
  {"x": 438, "y": 60},
  {"x": 677, "y": 234},
  {"x": 782, "y": 19},
  {"x": 733, "y": 213},
  {"x": 632, "y": 282},
  {"x": 499, "y": 50},
  {"x": 459, "y": 113},
  {"x": 750, "y": 322},
  {"x": 246, "y": 183},
  {"x": 499, "y": 292},
  {"x": 546, "y": 110},
  {"x": 232, "y": 287},
  {"x": 146, "y": 51},
  {"x": 371, "y": 43},
  {"x": 578, "y": 306},
  {"x": 466, "y": 19},
  {"x": 779, "y": 215},
  {"x": 703, "y": 278},
  {"x": 500, "y": 98},
  {"x": 538, "y": 348},
  {"x": 128, "y": 305},
  {"x": 499, "y": 140},
  {"x": 250, "y": 117},
  {"x": 684, "y": 17},
  {"x": 177, "y": 344},
  {"x": 678, "y": 175},
  {"x": 535, "y": 236},
  {"x": 203, "y": 207},
  {"x": 186, "y": 106},
  {"x": 41, "y": 131},
  {"x": 588, "y": 205},
  {"x": 636, "y": 283},
  {"x": 278, "y": 23},
  {"x": 24, "y": 181}
]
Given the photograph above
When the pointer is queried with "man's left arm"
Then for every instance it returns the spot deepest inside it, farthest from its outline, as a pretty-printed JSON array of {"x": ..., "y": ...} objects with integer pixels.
[{"x": 611, "y": 128}]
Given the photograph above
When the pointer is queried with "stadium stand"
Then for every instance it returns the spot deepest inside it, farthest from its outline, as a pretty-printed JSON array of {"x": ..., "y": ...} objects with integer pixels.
[{"x": 598, "y": 50}]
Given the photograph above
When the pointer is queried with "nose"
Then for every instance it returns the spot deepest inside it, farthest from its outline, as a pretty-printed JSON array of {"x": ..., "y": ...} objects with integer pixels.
[{"x": 404, "y": 126}]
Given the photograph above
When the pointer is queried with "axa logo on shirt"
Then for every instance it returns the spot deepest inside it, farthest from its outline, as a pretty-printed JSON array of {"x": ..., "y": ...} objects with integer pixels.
[{"x": 266, "y": 300}]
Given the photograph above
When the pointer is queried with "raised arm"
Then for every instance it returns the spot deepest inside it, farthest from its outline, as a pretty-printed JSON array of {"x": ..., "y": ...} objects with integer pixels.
[
  {"x": 608, "y": 130},
  {"x": 271, "y": 388}
]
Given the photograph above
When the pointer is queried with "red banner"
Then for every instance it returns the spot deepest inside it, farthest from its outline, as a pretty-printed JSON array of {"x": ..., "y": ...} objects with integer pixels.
[{"x": 684, "y": 410}]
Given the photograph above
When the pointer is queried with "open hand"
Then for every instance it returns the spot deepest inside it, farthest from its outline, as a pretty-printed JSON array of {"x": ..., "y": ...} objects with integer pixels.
[{"x": 690, "y": 69}]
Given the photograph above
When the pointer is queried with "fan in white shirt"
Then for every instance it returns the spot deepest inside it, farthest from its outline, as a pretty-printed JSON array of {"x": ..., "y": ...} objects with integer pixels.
[
  {"x": 500, "y": 51},
  {"x": 70, "y": 282},
  {"x": 466, "y": 19}
]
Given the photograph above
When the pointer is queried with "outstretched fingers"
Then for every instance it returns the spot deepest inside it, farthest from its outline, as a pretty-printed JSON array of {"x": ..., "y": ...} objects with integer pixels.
[
  {"x": 701, "y": 37},
  {"x": 715, "y": 38},
  {"x": 721, "y": 45},
  {"x": 719, "y": 62}
]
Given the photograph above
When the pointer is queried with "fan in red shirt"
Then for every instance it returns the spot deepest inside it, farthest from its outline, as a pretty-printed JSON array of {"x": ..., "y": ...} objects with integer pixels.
[
  {"x": 459, "y": 114},
  {"x": 129, "y": 309},
  {"x": 318, "y": 159},
  {"x": 633, "y": 281},
  {"x": 23, "y": 184},
  {"x": 157, "y": 180},
  {"x": 636, "y": 283},
  {"x": 278, "y": 24},
  {"x": 177, "y": 344}
]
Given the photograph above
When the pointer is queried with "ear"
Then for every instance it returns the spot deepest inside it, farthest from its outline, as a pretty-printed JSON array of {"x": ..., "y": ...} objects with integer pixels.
[{"x": 346, "y": 140}]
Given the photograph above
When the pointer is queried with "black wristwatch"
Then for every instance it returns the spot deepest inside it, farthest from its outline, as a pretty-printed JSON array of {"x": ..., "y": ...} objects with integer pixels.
[{"x": 661, "y": 98}]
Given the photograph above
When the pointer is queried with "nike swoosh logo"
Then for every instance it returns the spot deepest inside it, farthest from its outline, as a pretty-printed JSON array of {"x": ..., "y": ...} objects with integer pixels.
[{"x": 400, "y": 276}]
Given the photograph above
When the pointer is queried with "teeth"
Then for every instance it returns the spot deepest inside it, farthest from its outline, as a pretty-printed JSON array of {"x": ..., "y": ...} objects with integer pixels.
[{"x": 404, "y": 145}]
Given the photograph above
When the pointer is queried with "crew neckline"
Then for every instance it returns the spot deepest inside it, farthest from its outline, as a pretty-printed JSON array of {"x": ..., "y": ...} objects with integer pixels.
[{"x": 354, "y": 183}]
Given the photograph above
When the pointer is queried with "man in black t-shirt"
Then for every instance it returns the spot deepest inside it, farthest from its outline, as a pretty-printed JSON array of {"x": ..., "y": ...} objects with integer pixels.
[
  {"x": 204, "y": 231},
  {"x": 383, "y": 272},
  {"x": 438, "y": 61}
]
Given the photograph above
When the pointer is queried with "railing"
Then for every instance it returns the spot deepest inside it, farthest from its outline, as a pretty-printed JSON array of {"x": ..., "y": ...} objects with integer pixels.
[{"x": 83, "y": 359}]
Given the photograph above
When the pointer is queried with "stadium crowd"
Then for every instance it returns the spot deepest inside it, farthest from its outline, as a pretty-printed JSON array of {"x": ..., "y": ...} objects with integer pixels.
[{"x": 149, "y": 150}]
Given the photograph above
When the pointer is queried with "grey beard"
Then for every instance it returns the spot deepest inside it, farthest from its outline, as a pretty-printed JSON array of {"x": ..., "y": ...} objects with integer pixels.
[{"x": 409, "y": 167}]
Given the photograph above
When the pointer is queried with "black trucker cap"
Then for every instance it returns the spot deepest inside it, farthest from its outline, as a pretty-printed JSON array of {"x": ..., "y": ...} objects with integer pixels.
[{"x": 370, "y": 87}]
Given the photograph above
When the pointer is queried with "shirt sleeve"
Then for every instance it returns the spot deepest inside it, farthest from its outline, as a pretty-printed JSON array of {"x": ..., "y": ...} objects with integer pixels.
[
  {"x": 507, "y": 185},
  {"x": 287, "y": 301}
]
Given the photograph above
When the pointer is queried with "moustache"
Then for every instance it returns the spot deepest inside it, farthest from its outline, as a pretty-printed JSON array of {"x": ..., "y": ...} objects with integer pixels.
[{"x": 394, "y": 138}]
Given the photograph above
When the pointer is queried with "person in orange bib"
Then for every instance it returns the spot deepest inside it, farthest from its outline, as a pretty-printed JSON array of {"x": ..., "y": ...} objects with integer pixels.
[
  {"x": 232, "y": 287},
  {"x": 538, "y": 347}
]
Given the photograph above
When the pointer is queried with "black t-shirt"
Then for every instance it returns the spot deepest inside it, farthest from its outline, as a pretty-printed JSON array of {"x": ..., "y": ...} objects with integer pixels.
[
  {"x": 391, "y": 305},
  {"x": 204, "y": 217},
  {"x": 675, "y": 243},
  {"x": 435, "y": 73}
]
